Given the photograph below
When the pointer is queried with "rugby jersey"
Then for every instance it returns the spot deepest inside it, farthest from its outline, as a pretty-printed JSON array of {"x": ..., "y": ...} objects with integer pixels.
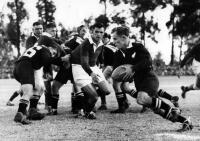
[
  {"x": 137, "y": 55},
  {"x": 194, "y": 53},
  {"x": 86, "y": 54},
  {"x": 39, "y": 56}
]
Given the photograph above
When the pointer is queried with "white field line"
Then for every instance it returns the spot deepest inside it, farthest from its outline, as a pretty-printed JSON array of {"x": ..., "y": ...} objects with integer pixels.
[{"x": 178, "y": 136}]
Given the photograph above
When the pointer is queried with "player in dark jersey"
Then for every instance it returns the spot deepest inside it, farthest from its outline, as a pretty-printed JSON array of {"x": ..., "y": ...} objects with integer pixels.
[
  {"x": 50, "y": 31},
  {"x": 192, "y": 55},
  {"x": 76, "y": 96},
  {"x": 85, "y": 71},
  {"x": 26, "y": 66},
  {"x": 107, "y": 65},
  {"x": 31, "y": 40},
  {"x": 134, "y": 63}
]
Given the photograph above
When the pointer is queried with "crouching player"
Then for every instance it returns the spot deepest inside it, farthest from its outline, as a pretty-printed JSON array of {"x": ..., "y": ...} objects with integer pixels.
[
  {"x": 85, "y": 71},
  {"x": 134, "y": 63},
  {"x": 27, "y": 72}
]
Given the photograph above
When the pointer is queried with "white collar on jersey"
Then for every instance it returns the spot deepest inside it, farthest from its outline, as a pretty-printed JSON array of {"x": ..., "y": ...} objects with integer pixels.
[
  {"x": 130, "y": 45},
  {"x": 32, "y": 34},
  {"x": 46, "y": 34},
  {"x": 92, "y": 42}
]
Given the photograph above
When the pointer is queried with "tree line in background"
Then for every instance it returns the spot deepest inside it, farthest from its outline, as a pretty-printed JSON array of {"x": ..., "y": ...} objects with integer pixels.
[{"x": 183, "y": 24}]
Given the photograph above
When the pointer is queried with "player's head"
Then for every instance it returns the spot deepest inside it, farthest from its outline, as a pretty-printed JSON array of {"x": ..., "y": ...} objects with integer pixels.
[
  {"x": 82, "y": 31},
  {"x": 50, "y": 44},
  {"x": 97, "y": 31},
  {"x": 37, "y": 29},
  {"x": 106, "y": 38},
  {"x": 51, "y": 29},
  {"x": 121, "y": 37}
]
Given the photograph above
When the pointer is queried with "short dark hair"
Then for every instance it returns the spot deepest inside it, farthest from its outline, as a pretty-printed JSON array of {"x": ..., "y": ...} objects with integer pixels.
[
  {"x": 47, "y": 41},
  {"x": 51, "y": 25},
  {"x": 106, "y": 35},
  {"x": 37, "y": 23},
  {"x": 121, "y": 30},
  {"x": 98, "y": 25},
  {"x": 80, "y": 27}
]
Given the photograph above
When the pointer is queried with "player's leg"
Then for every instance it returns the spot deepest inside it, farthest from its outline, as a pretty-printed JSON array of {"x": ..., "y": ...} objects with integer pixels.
[
  {"x": 107, "y": 72},
  {"x": 103, "y": 103},
  {"x": 55, "y": 97},
  {"x": 195, "y": 86},
  {"x": 48, "y": 78},
  {"x": 166, "y": 95},
  {"x": 84, "y": 82},
  {"x": 132, "y": 92},
  {"x": 13, "y": 96},
  {"x": 91, "y": 97},
  {"x": 121, "y": 75},
  {"x": 121, "y": 97},
  {"x": 38, "y": 90},
  {"x": 47, "y": 94},
  {"x": 23, "y": 73},
  {"x": 147, "y": 96},
  {"x": 77, "y": 97},
  {"x": 61, "y": 78}
]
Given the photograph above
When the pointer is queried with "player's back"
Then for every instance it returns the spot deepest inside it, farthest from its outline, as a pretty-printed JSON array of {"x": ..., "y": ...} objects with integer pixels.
[{"x": 37, "y": 55}]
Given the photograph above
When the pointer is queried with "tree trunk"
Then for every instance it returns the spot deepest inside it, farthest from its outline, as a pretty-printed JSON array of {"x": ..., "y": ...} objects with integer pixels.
[
  {"x": 181, "y": 45},
  {"x": 18, "y": 27},
  {"x": 172, "y": 50}
]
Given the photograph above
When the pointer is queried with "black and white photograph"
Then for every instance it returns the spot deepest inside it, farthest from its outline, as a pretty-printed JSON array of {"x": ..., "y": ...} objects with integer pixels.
[{"x": 100, "y": 70}]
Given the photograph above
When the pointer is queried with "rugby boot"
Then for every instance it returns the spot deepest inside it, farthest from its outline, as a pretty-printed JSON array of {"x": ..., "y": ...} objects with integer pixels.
[
  {"x": 80, "y": 114},
  {"x": 103, "y": 107},
  {"x": 144, "y": 109},
  {"x": 122, "y": 108},
  {"x": 184, "y": 90},
  {"x": 90, "y": 115},
  {"x": 33, "y": 114},
  {"x": 52, "y": 112},
  {"x": 174, "y": 100},
  {"x": 9, "y": 103},
  {"x": 186, "y": 126},
  {"x": 21, "y": 118}
]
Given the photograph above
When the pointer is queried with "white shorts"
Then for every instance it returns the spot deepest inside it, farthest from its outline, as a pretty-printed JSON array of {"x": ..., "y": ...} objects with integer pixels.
[
  {"x": 39, "y": 81},
  {"x": 81, "y": 77}
]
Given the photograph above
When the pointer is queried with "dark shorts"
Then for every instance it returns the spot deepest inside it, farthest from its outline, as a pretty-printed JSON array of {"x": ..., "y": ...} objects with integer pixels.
[
  {"x": 64, "y": 75},
  {"x": 148, "y": 83},
  {"x": 24, "y": 73}
]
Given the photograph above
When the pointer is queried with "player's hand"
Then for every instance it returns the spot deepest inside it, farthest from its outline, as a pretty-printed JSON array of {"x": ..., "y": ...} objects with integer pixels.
[
  {"x": 48, "y": 77},
  {"x": 66, "y": 58},
  {"x": 95, "y": 78}
]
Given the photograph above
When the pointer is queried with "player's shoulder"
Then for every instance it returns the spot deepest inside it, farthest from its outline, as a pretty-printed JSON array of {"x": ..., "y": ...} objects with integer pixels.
[{"x": 137, "y": 44}]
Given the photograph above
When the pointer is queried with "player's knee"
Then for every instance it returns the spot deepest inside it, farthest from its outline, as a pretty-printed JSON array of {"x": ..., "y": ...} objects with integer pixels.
[
  {"x": 90, "y": 92},
  {"x": 27, "y": 90},
  {"x": 125, "y": 87},
  {"x": 142, "y": 98},
  {"x": 104, "y": 87},
  {"x": 117, "y": 86},
  {"x": 39, "y": 88},
  {"x": 56, "y": 86}
]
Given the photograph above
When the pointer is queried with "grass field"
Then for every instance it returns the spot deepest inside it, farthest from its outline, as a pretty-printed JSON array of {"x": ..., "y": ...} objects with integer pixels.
[{"x": 132, "y": 126}]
